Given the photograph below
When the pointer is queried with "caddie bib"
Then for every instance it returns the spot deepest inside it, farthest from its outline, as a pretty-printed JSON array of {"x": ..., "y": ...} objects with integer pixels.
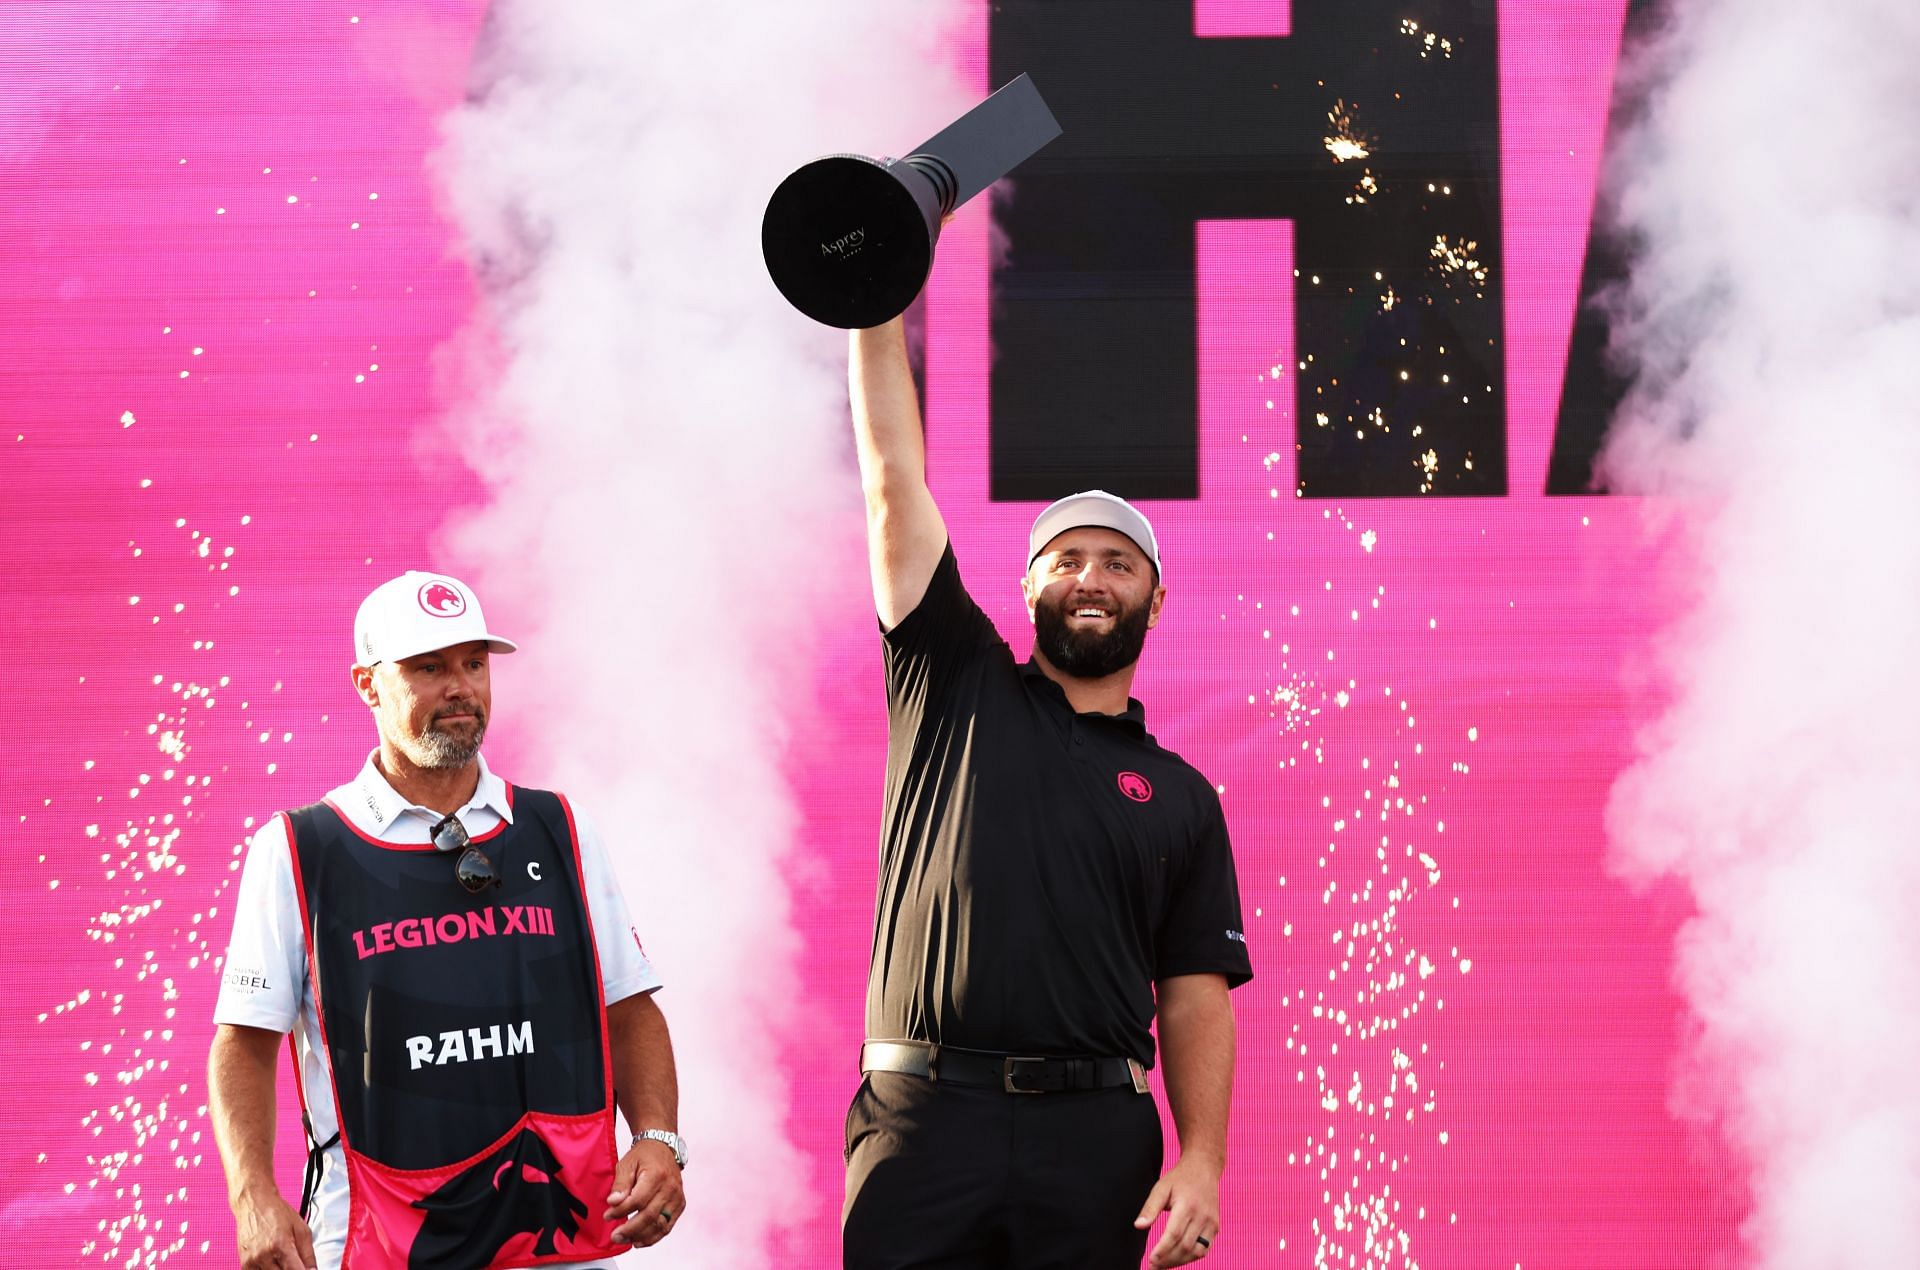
[{"x": 466, "y": 1039}]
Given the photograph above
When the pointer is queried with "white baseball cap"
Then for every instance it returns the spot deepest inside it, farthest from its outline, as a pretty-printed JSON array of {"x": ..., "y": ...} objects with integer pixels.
[
  {"x": 416, "y": 613},
  {"x": 1098, "y": 509}
]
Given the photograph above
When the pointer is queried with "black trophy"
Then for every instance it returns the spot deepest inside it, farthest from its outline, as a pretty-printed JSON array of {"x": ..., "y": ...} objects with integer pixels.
[{"x": 849, "y": 240}]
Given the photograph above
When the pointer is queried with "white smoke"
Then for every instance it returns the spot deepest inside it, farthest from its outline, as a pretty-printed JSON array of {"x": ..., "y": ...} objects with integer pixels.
[
  {"x": 669, "y": 486},
  {"x": 1773, "y": 313}
]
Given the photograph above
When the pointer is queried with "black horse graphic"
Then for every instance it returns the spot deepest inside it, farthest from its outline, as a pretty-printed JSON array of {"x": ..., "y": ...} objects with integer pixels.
[{"x": 515, "y": 1190}]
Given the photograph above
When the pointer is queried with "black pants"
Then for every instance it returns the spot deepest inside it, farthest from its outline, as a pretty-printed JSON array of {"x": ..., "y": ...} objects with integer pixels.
[{"x": 951, "y": 1177}]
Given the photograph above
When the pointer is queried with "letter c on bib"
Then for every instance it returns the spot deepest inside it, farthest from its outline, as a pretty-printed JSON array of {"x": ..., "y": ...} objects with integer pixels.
[{"x": 533, "y": 869}]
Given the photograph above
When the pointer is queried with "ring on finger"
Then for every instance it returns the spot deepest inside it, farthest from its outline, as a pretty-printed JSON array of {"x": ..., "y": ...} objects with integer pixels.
[
  {"x": 1203, "y": 1241},
  {"x": 666, "y": 1214}
]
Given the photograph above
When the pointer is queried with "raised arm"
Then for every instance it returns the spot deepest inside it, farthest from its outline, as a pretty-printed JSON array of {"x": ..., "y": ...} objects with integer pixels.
[{"x": 905, "y": 534}]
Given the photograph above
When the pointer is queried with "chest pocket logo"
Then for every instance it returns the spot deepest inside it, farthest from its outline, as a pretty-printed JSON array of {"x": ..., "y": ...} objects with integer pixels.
[{"x": 1135, "y": 786}]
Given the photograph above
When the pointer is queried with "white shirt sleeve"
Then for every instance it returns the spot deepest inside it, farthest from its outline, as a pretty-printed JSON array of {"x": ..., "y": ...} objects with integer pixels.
[
  {"x": 624, "y": 968},
  {"x": 264, "y": 976}
]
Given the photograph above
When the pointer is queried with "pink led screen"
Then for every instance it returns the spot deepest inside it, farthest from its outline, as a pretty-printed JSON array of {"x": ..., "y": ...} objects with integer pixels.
[{"x": 264, "y": 353}]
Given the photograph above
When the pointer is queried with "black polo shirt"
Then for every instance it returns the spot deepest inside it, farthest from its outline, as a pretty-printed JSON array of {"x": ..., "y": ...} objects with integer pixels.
[{"x": 1039, "y": 869}]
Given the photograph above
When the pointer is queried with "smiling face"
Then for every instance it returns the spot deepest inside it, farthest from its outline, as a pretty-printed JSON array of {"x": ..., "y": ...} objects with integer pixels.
[
  {"x": 1092, "y": 596},
  {"x": 431, "y": 709}
]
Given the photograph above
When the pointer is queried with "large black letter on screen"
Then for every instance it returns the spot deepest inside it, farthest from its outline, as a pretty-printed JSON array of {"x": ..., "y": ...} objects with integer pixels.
[
  {"x": 1093, "y": 317},
  {"x": 1596, "y": 383}
]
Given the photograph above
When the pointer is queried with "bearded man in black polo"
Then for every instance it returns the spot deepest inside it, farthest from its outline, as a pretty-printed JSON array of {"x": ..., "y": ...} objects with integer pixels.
[
  {"x": 467, "y": 998},
  {"x": 1052, "y": 884}
]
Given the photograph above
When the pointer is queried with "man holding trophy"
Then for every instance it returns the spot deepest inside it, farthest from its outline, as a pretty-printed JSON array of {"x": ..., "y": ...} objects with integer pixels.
[{"x": 1053, "y": 883}]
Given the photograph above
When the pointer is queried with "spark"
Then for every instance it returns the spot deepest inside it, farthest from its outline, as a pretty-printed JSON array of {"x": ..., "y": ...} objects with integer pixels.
[
  {"x": 1430, "y": 42},
  {"x": 1344, "y": 141},
  {"x": 1457, "y": 259}
]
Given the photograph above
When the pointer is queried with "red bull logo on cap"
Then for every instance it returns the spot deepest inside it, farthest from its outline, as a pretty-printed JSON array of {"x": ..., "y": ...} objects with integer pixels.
[{"x": 441, "y": 599}]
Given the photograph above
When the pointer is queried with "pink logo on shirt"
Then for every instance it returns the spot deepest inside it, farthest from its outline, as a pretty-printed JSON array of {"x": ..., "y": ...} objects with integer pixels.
[{"x": 1135, "y": 786}]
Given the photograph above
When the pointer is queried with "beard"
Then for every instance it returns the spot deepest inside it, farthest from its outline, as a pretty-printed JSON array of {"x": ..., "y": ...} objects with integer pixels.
[
  {"x": 435, "y": 748},
  {"x": 1088, "y": 654}
]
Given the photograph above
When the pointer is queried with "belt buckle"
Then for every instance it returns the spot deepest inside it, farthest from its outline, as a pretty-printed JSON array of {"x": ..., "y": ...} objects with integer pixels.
[
  {"x": 1007, "y": 1069},
  {"x": 1139, "y": 1075}
]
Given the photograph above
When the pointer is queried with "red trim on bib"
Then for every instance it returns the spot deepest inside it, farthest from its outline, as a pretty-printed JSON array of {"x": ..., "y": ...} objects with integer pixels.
[
  {"x": 364, "y": 836},
  {"x": 599, "y": 975},
  {"x": 313, "y": 990}
]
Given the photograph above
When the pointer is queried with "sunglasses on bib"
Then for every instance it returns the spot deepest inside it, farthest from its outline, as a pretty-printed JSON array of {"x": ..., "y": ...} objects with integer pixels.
[{"x": 475, "y": 872}]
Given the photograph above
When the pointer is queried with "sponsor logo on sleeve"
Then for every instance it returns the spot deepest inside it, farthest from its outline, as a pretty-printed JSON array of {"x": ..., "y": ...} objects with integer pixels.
[
  {"x": 1236, "y": 936},
  {"x": 244, "y": 980}
]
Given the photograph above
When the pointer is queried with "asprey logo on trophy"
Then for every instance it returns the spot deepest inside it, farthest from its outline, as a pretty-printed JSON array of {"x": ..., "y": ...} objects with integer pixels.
[
  {"x": 442, "y": 599},
  {"x": 845, "y": 245}
]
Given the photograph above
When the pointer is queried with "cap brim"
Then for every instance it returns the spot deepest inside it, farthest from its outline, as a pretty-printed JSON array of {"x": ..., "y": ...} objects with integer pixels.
[
  {"x": 1093, "y": 512},
  {"x": 494, "y": 643}
]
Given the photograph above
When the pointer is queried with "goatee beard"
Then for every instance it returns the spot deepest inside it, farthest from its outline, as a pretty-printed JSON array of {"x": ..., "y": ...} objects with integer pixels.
[
  {"x": 1087, "y": 654},
  {"x": 439, "y": 750}
]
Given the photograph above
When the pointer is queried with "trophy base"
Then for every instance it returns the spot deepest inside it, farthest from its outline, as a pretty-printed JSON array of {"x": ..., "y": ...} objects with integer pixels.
[{"x": 849, "y": 241}]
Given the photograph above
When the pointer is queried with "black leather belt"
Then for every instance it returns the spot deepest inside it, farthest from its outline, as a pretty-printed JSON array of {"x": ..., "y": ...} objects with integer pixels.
[{"x": 1011, "y": 1073}]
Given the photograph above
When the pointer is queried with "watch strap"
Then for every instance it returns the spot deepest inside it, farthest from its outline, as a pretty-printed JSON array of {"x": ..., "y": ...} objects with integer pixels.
[{"x": 666, "y": 1137}]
